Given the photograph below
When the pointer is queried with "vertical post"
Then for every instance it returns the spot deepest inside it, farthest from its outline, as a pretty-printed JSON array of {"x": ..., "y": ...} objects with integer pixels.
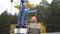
[
  {"x": 23, "y": 9},
  {"x": 10, "y": 14},
  {"x": 21, "y": 15},
  {"x": 11, "y": 5},
  {"x": 21, "y": 23}
]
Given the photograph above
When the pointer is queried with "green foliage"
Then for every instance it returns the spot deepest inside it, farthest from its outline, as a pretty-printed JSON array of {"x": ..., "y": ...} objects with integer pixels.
[
  {"x": 5, "y": 21},
  {"x": 54, "y": 18},
  {"x": 43, "y": 11}
]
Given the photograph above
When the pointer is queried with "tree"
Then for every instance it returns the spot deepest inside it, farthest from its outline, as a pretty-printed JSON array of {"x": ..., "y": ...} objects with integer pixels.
[
  {"x": 43, "y": 11},
  {"x": 54, "y": 18},
  {"x": 6, "y": 20}
]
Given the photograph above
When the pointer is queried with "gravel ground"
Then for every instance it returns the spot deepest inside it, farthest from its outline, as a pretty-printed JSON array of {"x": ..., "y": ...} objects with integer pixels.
[{"x": 54, "y": 33}]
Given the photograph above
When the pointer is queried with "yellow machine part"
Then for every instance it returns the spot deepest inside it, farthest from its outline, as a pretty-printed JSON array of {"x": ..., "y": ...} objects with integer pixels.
[
  {"x": 42, "y": 28},
  {"x": 28, "y": 5},
  {"x": 12, "y": 28},
  {"x": 17, "y": 6}
]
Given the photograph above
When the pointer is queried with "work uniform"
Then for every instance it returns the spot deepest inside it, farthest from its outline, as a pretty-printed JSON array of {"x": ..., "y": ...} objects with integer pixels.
[{"x": 33, "y": 28}]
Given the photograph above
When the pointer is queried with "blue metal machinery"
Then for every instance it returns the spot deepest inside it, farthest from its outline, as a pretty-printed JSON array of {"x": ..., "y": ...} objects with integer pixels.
[{"x": 21, "y": 15}]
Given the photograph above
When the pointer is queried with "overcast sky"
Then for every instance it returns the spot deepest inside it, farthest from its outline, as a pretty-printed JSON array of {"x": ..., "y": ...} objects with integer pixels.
[{"x": 6, "y": 4}]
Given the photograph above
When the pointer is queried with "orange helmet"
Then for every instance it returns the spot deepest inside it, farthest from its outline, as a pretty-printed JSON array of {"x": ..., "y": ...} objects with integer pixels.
[{"x": 34, "y": 19}]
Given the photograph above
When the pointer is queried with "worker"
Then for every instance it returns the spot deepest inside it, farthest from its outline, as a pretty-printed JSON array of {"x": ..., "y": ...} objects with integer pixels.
[{"x": 33, "y": 26}]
